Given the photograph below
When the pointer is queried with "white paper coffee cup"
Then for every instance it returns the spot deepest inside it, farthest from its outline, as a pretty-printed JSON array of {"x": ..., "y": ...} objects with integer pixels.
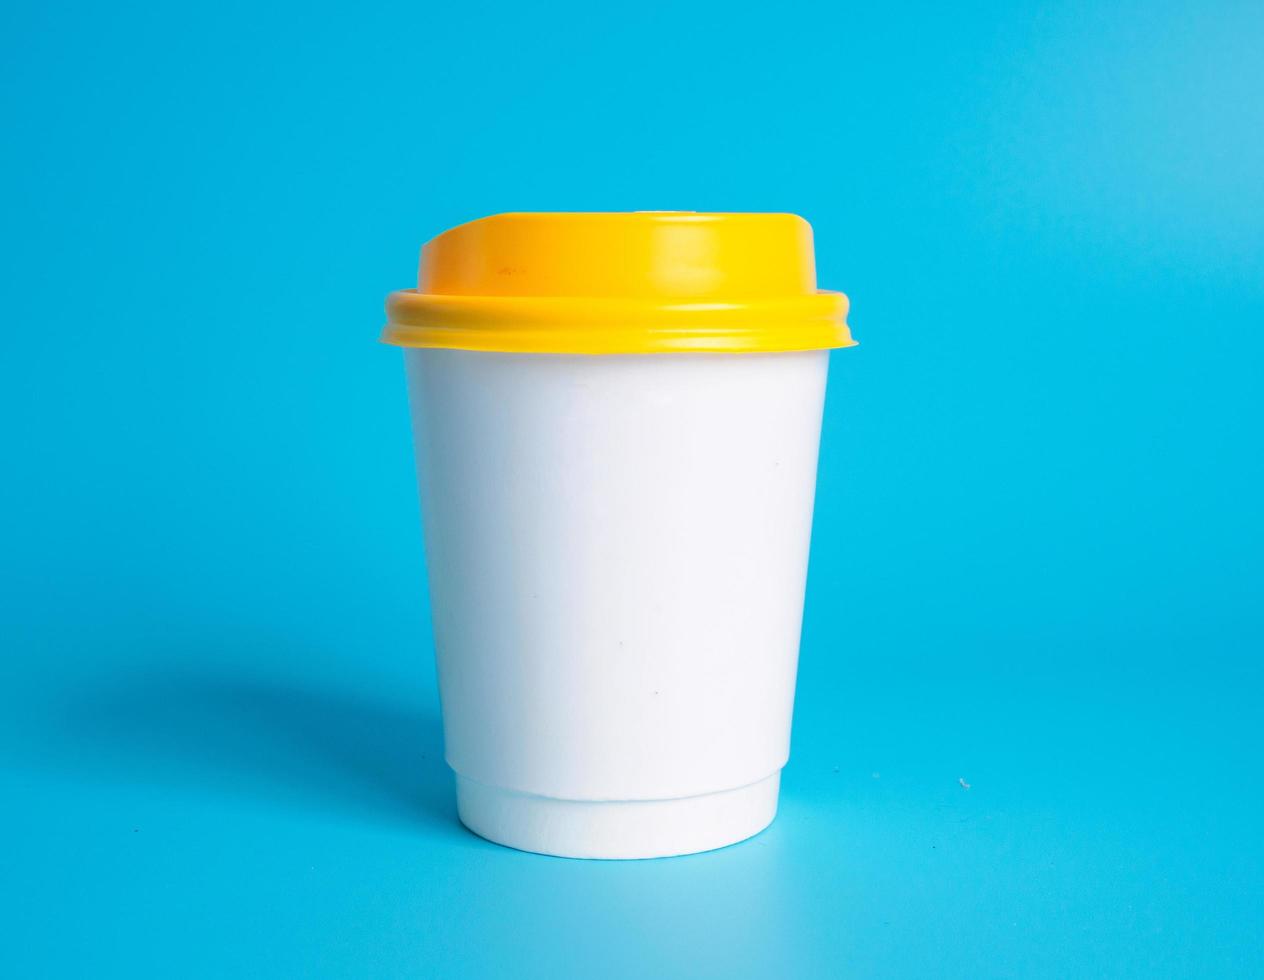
[{"x": 617, "y": 547}]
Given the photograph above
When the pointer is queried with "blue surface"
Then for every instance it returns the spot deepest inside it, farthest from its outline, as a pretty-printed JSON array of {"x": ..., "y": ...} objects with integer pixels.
[{"x": 1038, "y": 556}]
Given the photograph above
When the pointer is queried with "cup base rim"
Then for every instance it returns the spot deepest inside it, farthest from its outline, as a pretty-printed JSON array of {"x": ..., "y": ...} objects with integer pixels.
[{"x": 617, "y": 829}]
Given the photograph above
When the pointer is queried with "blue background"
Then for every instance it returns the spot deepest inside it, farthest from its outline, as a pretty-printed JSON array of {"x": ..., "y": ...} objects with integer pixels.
[{"x": 1038, "y": 554}]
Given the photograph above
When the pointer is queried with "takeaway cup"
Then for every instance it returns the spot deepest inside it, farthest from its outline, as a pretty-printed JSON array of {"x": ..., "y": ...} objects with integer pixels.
[{"x": 617, "y": 419}]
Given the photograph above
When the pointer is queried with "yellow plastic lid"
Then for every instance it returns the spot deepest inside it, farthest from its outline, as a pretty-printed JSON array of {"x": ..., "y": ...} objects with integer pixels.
[{"x": 633, "y": 283}]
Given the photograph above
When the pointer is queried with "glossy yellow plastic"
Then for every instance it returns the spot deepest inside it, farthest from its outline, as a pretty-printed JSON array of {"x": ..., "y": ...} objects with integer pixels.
[{"x": 620, "y": 283}]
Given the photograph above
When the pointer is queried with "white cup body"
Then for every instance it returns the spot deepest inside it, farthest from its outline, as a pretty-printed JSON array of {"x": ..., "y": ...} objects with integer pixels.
[{"x": 617, "y": 549}]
